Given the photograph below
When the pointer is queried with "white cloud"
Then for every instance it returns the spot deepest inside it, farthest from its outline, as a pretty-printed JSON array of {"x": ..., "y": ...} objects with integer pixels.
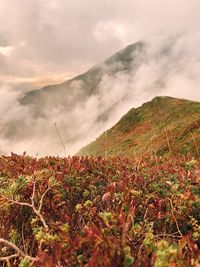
[
  {"x": 104, "y": 31},
  {"x": 69, "y": 36},
  {"x": 6, "y": 50}
]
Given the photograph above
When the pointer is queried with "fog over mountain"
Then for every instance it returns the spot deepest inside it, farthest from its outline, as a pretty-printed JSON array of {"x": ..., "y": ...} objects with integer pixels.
[{"x": 160, "y": 56}]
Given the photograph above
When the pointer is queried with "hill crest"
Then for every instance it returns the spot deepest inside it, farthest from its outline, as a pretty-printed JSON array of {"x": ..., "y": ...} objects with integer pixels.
[{"x": 162, "y": 125}]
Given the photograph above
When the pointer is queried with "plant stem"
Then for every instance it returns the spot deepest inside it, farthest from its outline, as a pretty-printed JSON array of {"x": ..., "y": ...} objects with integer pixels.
[{"x": 61, "y": 141}]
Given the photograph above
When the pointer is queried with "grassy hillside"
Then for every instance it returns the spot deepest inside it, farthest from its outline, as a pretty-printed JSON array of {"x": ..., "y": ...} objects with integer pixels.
[
  {"x": 161, "y": 126},
  {"x": 118, "y": 212}
]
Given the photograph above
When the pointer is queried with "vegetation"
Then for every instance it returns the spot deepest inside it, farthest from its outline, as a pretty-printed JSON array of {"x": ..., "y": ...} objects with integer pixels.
[
  {"x": 164, "y": 125},
  {"x": 75, "y": 211}
]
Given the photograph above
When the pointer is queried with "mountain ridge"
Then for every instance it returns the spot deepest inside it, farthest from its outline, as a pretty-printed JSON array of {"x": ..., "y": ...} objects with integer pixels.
[
  {"x": 124, "y": 56},
  {"x": 162, "y": 125}
]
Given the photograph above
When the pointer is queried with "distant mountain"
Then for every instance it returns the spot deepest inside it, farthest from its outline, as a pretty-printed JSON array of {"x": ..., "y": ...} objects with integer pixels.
[
  {"x": 80, "y": 106},
  {"x": 163, "y": 125},
  {"x": 77, "y": 90}
]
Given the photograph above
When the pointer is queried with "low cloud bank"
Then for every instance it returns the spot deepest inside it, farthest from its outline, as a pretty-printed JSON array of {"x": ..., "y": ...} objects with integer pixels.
[{"x": 169, "y": 66}]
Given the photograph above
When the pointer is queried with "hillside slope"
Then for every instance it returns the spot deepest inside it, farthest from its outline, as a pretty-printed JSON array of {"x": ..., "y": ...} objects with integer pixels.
[
  {"x": 163, "y": 125},
  {"x": 76, "y": 90}
]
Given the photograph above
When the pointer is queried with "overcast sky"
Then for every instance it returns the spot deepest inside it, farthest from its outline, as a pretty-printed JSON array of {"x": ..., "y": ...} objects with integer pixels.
[{"x": 50, "y": 41}]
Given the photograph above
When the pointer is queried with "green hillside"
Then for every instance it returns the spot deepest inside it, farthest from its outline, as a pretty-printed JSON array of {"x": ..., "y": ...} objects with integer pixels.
[{"x": 161, "y": 126}]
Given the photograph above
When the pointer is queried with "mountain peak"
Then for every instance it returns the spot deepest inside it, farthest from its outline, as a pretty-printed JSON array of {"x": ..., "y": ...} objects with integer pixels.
[
  {"x": 127, "y": 55},
  {"x": 87, "y": 83}
]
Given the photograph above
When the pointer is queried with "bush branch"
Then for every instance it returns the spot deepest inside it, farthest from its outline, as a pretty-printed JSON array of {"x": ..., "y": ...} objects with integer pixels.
[
  {"x": 7, "y": 258},
  {"x": 32, "y": 205},
  {"x": 18, "y": 250},
  {"x": 174, "y": 217}
]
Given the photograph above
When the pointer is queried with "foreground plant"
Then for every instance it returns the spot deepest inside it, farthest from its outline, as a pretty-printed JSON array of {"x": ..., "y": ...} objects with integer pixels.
[{"x": 99, "y": 212}]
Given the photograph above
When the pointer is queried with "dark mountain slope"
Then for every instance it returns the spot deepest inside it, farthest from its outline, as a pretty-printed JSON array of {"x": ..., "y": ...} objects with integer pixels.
[{"x": 76, "y": 90}]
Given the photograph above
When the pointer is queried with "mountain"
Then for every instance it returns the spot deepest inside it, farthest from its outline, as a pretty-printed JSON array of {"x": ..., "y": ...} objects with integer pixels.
[
  {"x": 83, "y": 107},
  {"x": 162, "y": 125},
  {"x": 77, "y": 90}
]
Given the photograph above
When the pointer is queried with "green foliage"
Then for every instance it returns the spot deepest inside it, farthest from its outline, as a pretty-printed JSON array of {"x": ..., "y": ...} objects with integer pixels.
[
  {"x": 87, "y": 203},
  {"x": 25, "y": 263},
  {"x": 13, "y": 188},
  {"x": 190, "y": 164},
  {"x": 165, "y": 254},
  {"x": 39, "y": 234},
  {"x": 53, "y": 182},
  {"x": 128, "y": 259},
  {"x": 106, "y": 216},
  {"x": 149, "y": 241},
  {"x": 14, "y": 236},
  {"x": 78, "y": 207},
  {"x": 196, "y": 229},
  {"x": 65, "y": 227},
  {"x": 86, "y": 193}
]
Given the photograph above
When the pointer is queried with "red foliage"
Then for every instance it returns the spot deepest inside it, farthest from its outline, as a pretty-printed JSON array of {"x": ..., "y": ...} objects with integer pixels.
[{"x": 102, "y": 212}]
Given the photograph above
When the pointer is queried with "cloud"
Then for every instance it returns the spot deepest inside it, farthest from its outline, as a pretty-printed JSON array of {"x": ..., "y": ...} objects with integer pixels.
[
  {"x": 49, "y": 41},
  {"x": 67, "y": 37},
  {"x": 105, "y": 31},
  {"x": 169, "y": 68},
  {"x": 6, "y": 50}
]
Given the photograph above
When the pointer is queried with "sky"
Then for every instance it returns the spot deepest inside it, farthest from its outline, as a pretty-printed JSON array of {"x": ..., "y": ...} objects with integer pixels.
[
  {"x": 43, "y": 42},
  {"x": 51, "y": 41}
]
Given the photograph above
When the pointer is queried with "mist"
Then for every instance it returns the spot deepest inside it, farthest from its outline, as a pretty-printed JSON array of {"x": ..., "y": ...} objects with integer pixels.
[{"x": 168, "y": 66}]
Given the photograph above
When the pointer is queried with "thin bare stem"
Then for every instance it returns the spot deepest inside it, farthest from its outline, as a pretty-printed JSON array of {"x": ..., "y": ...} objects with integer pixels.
[
  {"x": 41, "y": 218},
  {"x": 174, "y": 217},
  {"x": 165, "y": 131},
  {"x": 61, "y": 141},
  {"x": 42, "y": 198},
  {"x": 116, "y": 141},
  {"x": 106, "y": 144},
  {"x": 195, "y": 143},
  {"x": 174, "y": 235},
  {"x": 33, "y": 194},
  {"x": 19, "y": 203},
  {"x": 32, "y": 205},
  {"x": 23, "y": 240},
  {"x": 145, "y": 214},
  {"x": 7, "y": 258}
]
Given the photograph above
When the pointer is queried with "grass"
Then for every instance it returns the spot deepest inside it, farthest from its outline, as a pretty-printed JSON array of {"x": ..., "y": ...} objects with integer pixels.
[{"x": 163, "y": 122}]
